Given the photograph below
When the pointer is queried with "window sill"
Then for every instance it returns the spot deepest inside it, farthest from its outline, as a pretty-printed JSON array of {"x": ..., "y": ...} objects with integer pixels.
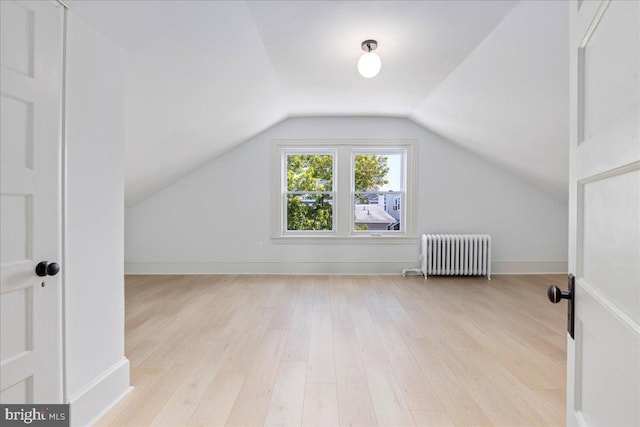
[{"x": 345, "y": 240}]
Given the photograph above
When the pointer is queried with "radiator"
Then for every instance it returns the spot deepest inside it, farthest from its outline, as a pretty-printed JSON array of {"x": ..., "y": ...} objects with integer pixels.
[{"x": 455, "y": 254}]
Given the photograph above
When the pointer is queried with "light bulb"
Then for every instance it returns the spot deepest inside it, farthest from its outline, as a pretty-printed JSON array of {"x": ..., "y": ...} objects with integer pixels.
[{"x": 369, "y": 65}]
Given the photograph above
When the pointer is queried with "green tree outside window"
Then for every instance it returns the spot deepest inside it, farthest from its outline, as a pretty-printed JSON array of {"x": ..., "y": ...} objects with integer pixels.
[{"x": 310, "y": 187}]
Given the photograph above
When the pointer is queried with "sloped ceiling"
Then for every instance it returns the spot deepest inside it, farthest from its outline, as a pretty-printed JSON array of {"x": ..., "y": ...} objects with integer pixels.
[
  {"x": 204, "y": 76},
  {"x": 509, "y": 99}
]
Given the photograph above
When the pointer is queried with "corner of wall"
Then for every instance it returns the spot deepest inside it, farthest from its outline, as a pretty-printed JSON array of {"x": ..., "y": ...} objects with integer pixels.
[{"x": 100, "y": 395}]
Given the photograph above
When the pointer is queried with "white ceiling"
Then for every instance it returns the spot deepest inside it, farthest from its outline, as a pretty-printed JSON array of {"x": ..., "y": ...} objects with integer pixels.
[{"x": 204, "y": 76}]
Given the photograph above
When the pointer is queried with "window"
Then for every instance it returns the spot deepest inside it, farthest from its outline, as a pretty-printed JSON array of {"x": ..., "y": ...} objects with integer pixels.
[
  {"x": 378, "y": 189},
  {"x": 343, "y": 190},
  {"x": 309, "y": 194}
]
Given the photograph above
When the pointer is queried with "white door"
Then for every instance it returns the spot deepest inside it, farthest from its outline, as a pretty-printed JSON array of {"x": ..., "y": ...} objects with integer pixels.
[
  {"x": 30, "y": 137},
  {"x": 603, "y": 361}
]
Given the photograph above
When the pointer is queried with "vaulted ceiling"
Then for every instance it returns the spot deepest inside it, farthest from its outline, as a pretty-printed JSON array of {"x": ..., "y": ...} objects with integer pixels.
[{"x": 204, "y": 76}]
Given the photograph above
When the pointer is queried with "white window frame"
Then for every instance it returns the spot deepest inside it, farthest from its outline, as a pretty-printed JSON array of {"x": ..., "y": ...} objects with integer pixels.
[
  {"x": 343, "y": 191},
  {"x": 403, "y": 186},
  {"x": 284, "y": 192}
]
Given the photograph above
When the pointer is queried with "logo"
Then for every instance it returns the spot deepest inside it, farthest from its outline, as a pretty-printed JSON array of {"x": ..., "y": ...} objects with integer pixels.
[{"x": 34, "y": 415}]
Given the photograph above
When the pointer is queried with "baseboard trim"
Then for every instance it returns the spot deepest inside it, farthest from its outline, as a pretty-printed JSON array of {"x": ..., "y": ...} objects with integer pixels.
[
  {"x": 101, "y": 394},
  {"x": 358, "y": 268},
  {"x": 499, "y": 267},
  {"x": 266, "y": 268}
]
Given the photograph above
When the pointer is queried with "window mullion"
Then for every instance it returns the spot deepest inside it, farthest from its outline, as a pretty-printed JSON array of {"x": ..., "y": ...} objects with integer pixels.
[{"x": 343, "y": 190}]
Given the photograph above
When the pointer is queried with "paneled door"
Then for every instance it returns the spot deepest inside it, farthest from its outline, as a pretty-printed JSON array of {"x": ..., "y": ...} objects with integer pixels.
[
  {"x": 603, "y": 359},
  {"x": 30, "y": 138}
]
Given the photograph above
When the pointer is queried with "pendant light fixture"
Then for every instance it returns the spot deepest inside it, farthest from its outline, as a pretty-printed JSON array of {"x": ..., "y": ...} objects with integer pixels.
[{"x": 369, "y": 63}]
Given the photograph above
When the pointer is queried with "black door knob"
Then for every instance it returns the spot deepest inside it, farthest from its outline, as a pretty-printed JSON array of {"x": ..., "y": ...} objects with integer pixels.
[
  {"x": 45, "y": 269},
  {"x": 555, "y": 294}
]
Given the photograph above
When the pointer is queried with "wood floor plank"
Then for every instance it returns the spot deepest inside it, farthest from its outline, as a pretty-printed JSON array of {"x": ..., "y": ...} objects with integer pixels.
[
  {"x": 320, "y": 405},
  {"x": 340, "y": 315},
  {"x": 287, "y": 399},
  {"x": 216, "y": 404},
  {"x": 417, "y": 391},
  {"x": 369, "y": 345},
  {"x": 461, "y": 407},
  {"x": 147, "y": 405},
  {"x": 283, "y": 314},
  {"x": 183, "y": 403},
  {"x": 491, "y": 399},
  {"x": 342, "y": 350},
  {"x": 321, "y": 294},
  {"x": 531, "y": 402},
  {"x": 251, "y": 405},
  {"x": 301, "y": 319},
  {"x": 388, "y": 400},
  {"x": 321, "y": 363},
  {"x": 242, "y": 353},
  {"x": 432, "y": 418},
  {"x": 355, "y": 407},
  {"x": 296, "y": 347}
]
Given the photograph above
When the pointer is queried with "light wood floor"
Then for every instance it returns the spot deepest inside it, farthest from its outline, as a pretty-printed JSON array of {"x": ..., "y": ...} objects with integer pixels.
[{"x": 343, "y": 350}]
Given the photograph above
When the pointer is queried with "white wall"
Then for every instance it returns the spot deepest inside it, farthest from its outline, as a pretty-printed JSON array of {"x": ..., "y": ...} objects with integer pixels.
[
  {"x": 211, "y": 220},
  {"x": 97, "y": 373}
]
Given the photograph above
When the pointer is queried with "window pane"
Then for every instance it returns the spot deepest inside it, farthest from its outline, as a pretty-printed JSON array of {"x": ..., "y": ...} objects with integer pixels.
[
  {"x": 377, "y": 212},
  {"x": 309, "y": 172},
  {"x": 309, "y": 212},
  {"x": 378, "y": 172}
]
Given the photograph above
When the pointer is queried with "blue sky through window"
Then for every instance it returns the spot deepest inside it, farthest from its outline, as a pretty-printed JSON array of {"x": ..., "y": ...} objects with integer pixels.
[{"x": 394, "y": 161}]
